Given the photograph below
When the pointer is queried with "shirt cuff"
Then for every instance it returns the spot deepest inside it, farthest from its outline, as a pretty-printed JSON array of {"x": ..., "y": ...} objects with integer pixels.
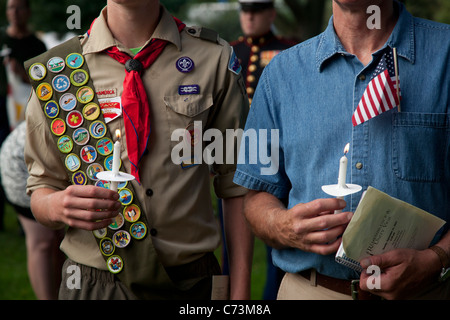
[{"x": 254, "y": 183}]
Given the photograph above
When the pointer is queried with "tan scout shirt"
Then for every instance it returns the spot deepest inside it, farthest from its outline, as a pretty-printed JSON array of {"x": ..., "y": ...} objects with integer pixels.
[{"x": 177, "y": 201}]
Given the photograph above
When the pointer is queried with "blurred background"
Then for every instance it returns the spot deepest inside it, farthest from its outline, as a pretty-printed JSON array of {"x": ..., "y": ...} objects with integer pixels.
[{"x": 297, "y": 20}]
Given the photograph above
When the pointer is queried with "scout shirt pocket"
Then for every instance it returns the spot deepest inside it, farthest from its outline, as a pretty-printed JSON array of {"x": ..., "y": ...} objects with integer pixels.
[
  {"x": 183, "y": 111},
  {"x": 420, "y": 146}
]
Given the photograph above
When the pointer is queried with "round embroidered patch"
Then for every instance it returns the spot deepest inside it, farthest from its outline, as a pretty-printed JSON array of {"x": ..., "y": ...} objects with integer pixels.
[
  {"x": 79, "y": 77},
  {"x": 55, "y": 64},
  {"x": 37, "y": 71},
  {"x": 74, "y": 60},
  {"x": 114, "y": 264},
  {"x": 61, "y": 83},
  {"x": 72, "y": 162},
  {"x": 138, "y": 230},
  {"x": 44, "y": 91},
  {"x": 88, "y": 154},
  {"x": 81, "y": 136},
  {"x": 51, "y": 109},
  {"x": 67, "y": 102},
  {"x": 65, "y": 144},
  {"x": 185, "y": 64},
  {"x": 58, "y": 127}
]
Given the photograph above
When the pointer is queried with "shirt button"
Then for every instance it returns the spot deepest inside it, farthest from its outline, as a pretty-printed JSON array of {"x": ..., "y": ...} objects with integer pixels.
[
  {"x": 359, "y": 165},
  {"x": 362, "y": 77},
  {"x": 153, "y": 232},
  {"x": 149, "y": 192}
]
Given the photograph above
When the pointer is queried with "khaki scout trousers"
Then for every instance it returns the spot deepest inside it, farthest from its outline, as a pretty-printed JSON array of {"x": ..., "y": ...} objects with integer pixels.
[
  {"x": 80, "y": 282},
  {"x": 296, "y": 287}
]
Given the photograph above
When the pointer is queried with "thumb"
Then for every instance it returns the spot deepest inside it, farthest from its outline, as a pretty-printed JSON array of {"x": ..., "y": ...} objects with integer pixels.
[{"x": 383, "y": 261}]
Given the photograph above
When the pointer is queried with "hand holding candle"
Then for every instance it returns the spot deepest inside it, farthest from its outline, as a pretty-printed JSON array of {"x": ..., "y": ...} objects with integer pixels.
[
  {"x": 115, "y": 176},
  {"x": 342, "y": 189}
]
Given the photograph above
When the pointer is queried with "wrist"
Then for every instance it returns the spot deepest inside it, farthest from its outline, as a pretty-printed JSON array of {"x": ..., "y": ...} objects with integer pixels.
[{"x": 443, "y": 261}]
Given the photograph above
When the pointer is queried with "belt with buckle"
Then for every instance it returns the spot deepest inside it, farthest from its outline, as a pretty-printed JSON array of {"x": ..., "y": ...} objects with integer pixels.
[{"x": 347, "y": 287}]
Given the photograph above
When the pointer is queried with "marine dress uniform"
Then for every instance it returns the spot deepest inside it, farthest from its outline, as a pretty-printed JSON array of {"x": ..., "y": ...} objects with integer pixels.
[
  {"x": 195, "y": 79},
  {"x": 254, "y": 53}
]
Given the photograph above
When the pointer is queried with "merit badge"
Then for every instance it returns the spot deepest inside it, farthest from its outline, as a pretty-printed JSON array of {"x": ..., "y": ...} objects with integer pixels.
[
  {"x": 132, "y": 213},
  {"x": 121, "y": 239},
  {"x": 102, "y": 184},
  {"x": 189, "y": 89},
  {"x": 51, "y": 109},
  {"x": 88, "y": 154},
  {"x": 37, "y": 71},
  {"x": 185, "y": 64},
  {"x": 44, "y": 91},
  {"x": 74, "y": 60},
  {"x": 67, "y": 102},
  {"x": 58, "y": 127},
  {"x": 234, "y": 65},
  {"x": 91, "y": 111},
  {"x": 65, "y": 144},
  {"x": 105, "y": 146},
  {"x": 85, "y": 94},
  {"x": 138, "y": 230},
  {"x": 118, "y": 222},
  {"x": 55, "y": 64},
  {"x": 108, "y": 163},
  {"x": 74, "y": 119},
  {"x": 115, "y": 264},
  {"x": 61, "y": 83},
  {"x": 106, "y": 246},
  {"x": 79, "y": 178},
  {"x": 111, "y": 108},
  {"x": 80, "y": 136},
  {"x": 125, "y": 196},
  {"x": 72, "y": 162},
  {"x": 97, "y": 129},
  {"x": 100, "y": 233},
  {"x": 79, "y": 77},
  {"x": 92, "y": 171}
]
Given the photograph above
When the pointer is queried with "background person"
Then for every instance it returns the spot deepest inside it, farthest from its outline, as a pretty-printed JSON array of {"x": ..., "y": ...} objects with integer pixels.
[
  {"x": 44, "y": 259},
  {"x": 309, "y": 94}
]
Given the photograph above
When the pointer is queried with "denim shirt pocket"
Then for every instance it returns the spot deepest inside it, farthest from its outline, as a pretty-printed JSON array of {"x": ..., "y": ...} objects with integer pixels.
[{"x": 420, "y": 146}]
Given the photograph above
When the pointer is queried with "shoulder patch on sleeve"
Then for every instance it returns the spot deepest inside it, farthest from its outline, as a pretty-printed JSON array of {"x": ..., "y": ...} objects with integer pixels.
[
  {"x": 234, "y": 65},
  {"x": 203, "y": 33}
]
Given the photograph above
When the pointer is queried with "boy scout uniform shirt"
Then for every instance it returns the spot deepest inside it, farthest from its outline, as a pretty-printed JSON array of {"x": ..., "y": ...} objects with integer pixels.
[{"x": 177, "y": 201}]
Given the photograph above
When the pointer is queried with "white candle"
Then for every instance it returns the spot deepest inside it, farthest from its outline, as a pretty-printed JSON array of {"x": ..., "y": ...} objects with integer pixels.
[
  {"x": 343, "y": 162},
  {"x": 116, "y": 161},
  {"x": 343, "y": 168}
]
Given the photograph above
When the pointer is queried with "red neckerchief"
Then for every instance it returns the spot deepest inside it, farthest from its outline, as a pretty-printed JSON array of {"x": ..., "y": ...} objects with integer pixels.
[{"x": 135, "y": 103}]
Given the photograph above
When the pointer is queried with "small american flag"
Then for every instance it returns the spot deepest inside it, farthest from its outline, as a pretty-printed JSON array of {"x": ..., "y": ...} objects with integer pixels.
[{"x": 381, "y": 92}]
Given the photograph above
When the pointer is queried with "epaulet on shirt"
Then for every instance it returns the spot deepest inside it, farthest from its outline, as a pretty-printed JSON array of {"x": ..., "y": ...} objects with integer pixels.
[{"x": 203, "y": 33}]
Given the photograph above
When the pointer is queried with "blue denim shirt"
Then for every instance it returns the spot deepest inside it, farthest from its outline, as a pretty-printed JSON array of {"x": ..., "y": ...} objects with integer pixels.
[{"x": 309, "y": 93}]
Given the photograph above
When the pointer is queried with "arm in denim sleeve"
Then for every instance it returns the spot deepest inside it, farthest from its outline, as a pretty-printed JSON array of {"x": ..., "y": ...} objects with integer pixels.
[{"x": 261, "y": 164}]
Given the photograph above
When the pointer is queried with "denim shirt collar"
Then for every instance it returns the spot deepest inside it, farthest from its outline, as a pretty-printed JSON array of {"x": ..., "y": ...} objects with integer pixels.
[{"x": 402, "y": 37}]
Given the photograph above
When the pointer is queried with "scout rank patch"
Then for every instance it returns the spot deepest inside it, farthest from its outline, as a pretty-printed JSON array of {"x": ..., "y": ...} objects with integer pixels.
[{"x": 79, "y": 131}]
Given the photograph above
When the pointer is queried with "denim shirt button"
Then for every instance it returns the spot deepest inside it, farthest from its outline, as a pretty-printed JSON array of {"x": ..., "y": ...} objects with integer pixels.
[
  {"x": 359, "y": 165},
  {"x": 362, "y": 77}
]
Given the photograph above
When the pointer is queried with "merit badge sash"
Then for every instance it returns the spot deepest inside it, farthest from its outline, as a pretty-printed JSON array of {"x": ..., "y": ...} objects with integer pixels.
[{"x": 60, "y": 78}]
